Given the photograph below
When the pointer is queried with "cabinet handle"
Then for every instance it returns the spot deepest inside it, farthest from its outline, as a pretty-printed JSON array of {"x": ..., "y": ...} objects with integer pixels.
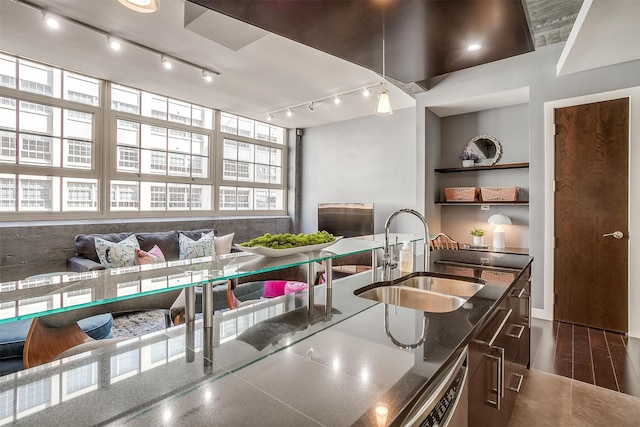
[
  {"x": 499, "y": 390},
  {"x": 519, "y": 334},
  {"x": 519, "y": 291},
  {"x": 497, "y": 334},
  {"x": 517, "y": 389}
]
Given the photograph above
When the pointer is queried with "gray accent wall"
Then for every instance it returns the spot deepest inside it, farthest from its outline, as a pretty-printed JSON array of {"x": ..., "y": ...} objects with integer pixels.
[
  {"x": 372, "y": 159},
  {"x": 537, "y": 71}
]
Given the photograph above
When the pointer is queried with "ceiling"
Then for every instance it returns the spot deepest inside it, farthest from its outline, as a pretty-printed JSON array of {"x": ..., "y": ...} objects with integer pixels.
[{"x": 260, "y": 72}]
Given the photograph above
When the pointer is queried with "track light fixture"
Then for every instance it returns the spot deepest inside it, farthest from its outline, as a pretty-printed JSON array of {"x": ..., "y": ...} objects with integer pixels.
[
  {"x": 206, "y": 75},
  {"x": 113, "y": 43},
  {"x": 311, "y": 105},
  {"x": 50, "y": 20},
  {"x": 165, "y": 62}
]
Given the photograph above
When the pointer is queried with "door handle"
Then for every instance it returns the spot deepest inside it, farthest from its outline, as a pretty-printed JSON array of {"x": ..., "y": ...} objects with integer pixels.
[{"x": 615, "y": 234}]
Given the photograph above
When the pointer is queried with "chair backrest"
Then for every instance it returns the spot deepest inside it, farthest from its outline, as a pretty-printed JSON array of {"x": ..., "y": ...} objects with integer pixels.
[{"x": 443, "y": 241}]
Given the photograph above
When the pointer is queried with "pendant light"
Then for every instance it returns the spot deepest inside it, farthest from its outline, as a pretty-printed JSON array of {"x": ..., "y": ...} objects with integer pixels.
[{"x": 383, "y": 107}]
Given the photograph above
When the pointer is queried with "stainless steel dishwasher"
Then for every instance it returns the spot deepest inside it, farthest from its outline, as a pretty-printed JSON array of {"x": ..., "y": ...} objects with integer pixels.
[{"x": 446, "y": 404}]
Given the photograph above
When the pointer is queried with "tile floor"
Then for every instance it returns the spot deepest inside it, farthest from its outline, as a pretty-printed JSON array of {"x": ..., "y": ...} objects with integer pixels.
[{"x": 579, "y": 377}]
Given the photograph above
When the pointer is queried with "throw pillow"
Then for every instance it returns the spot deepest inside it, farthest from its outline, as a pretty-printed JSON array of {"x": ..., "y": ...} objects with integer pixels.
[
  {"x": 223, "y": 243},
  {"x": 121, "y": 254},
  {"x": 196, "y": 248},
  {"x": 154, "y": 256},
  {"x": 275, "y": 288}
]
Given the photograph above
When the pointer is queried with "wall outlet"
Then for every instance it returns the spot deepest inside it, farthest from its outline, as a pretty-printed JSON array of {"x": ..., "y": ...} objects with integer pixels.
[
  {"x": 484, "y": 261},
  {"x": 484, "y": 207}
]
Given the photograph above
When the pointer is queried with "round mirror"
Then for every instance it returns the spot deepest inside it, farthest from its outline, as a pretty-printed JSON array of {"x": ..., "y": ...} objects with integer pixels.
[{"x": 486, "y": 147}]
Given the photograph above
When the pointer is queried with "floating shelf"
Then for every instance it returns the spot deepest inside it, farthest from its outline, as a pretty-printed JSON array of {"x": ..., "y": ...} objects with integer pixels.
[
  {"x": 483, "y": 168},
  {"x": 519, "y": 202}
]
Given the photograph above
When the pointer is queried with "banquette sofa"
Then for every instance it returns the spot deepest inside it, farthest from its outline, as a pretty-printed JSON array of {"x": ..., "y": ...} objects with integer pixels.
[{"x": 171, "y": 245}]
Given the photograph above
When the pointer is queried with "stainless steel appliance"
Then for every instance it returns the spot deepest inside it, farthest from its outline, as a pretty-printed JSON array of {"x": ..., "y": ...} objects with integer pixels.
[{"x": 445, "y": 404}]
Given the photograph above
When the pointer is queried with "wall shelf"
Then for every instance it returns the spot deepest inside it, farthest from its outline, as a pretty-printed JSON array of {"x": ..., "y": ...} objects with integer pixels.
[
  {"x": 519, "y": 202},
  {"x": 483, "y": 168}
]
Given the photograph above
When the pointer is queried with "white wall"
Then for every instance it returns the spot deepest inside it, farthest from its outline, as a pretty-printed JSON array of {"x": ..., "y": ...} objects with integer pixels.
[
  {"x": 370, "y": 159},
  {"x": 536, "y": 71}
]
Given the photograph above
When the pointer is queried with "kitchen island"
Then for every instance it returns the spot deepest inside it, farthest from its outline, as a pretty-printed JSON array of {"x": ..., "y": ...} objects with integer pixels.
[{"x": 272, "y": 363}]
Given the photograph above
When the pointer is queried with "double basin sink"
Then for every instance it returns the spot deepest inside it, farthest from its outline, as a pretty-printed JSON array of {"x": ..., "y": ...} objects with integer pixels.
[{"x": 425, "y": 291}]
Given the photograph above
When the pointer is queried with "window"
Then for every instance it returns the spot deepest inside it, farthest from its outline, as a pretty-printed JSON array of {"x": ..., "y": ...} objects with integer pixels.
[
  {"x": 165, "y": 155},
  {"x": 47, "y": 148},
  {"x": 254, "y": 161},
  {"x": 169, "y": 140}
]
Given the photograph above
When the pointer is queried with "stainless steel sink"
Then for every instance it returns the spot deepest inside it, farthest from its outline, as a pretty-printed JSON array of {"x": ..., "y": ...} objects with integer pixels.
[
  {"x": 417, "y": 299},
  {"x": 431, "y": 292},
  {"x": 443, "y": 285}
]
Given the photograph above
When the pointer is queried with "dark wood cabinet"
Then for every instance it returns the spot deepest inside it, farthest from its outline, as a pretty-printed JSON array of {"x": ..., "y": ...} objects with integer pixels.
[{"x": 498, "y": 358}]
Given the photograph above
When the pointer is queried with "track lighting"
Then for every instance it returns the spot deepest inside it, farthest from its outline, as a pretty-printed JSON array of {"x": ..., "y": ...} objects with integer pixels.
[
  {"x": 310, "y": 107},
  {"x": 50, "y": 20},
  {"x": 207, "y": 76},
  {"x": 113, "y": 43},
  {"x": 337, "y": 100},
  {"x": 366, "y": 92},
  {"x": 269, "y": 117},
  {"x": 142, "y": 6},
  {"x": 165, "y": 62},
  {"x": 289, "y": 112}
]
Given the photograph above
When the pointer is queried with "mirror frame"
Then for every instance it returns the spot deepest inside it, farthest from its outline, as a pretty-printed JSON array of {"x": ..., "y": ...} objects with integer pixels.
[{"x": 471, "y": 147}]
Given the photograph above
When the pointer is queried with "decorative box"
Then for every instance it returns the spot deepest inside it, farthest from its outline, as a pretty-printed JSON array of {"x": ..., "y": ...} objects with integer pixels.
[
  {"x": 499, "y": 194},
  {"x": 461, "y": 194}
]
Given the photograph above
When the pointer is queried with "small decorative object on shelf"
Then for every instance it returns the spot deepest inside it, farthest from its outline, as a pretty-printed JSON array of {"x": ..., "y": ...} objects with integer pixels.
[
  {"x": 477, "y": 234},
  {"x": 468, "y": 159}
]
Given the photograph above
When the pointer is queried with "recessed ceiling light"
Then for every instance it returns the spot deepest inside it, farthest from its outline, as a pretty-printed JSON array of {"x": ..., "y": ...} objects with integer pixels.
[
  {"x": 474, "y": 47},
  {"x": 143, "y": 6}
]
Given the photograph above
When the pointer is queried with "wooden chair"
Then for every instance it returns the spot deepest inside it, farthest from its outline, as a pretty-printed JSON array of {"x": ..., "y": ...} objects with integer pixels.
[{"x": 443, "y": 241}]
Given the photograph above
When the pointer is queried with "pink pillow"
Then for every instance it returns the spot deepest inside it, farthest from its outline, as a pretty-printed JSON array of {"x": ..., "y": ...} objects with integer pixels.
[
  {"x": 154, "y": 256},
  {"x": 276, "y": 288}
]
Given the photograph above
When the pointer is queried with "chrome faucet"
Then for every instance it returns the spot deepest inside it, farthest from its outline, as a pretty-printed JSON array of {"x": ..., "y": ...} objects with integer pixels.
[{"x": 388, "y": 259}]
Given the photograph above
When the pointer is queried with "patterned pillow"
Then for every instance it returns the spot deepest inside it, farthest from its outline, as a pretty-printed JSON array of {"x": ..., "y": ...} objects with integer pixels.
[
  {"x": 196, "y": 248},
  {"x": 121, "y": 254},
  {"x": 154, "y": 256}
]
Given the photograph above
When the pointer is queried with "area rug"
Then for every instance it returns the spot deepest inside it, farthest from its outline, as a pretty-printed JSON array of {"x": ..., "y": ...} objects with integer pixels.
[{"x": 138, "y": 323}]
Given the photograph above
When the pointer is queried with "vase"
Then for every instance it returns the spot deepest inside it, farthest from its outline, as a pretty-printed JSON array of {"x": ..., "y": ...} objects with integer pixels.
[
  {"x": 477, "y": 240},
  {"x": 468, "y": 163}
]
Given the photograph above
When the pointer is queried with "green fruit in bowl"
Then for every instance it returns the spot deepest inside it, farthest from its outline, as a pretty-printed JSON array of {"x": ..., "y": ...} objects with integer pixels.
[{"x": 288, "y": 240}]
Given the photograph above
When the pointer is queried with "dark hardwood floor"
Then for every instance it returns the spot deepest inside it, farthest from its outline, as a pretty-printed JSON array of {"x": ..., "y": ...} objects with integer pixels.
[{"x": 593, "y": 356}]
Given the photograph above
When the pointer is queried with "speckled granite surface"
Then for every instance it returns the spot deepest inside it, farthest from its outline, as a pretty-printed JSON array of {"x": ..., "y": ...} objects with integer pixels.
[{"x": 328, "y": 368}]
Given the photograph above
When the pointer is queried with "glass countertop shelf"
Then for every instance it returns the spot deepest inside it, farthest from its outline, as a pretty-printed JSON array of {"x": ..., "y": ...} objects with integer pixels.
[{"x": 65, "y": 291}]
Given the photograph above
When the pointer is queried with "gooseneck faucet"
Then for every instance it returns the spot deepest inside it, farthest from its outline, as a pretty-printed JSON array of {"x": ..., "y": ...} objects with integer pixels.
[{"x": 388, "y": 259}]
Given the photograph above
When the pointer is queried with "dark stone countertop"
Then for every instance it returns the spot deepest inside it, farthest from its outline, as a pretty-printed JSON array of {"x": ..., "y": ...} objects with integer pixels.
[{"x": 287, "y": 367}]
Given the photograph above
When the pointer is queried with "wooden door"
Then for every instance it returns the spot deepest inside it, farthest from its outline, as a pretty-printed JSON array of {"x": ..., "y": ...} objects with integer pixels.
[{"x": 591, "y": 199}]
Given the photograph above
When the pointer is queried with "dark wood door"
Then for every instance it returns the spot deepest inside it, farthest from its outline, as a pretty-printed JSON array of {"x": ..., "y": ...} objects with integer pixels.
[{"x": 591, "y": 200}]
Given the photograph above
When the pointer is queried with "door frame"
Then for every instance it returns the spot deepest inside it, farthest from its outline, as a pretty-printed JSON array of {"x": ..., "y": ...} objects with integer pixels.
[{"x": 634, "y": 202}]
